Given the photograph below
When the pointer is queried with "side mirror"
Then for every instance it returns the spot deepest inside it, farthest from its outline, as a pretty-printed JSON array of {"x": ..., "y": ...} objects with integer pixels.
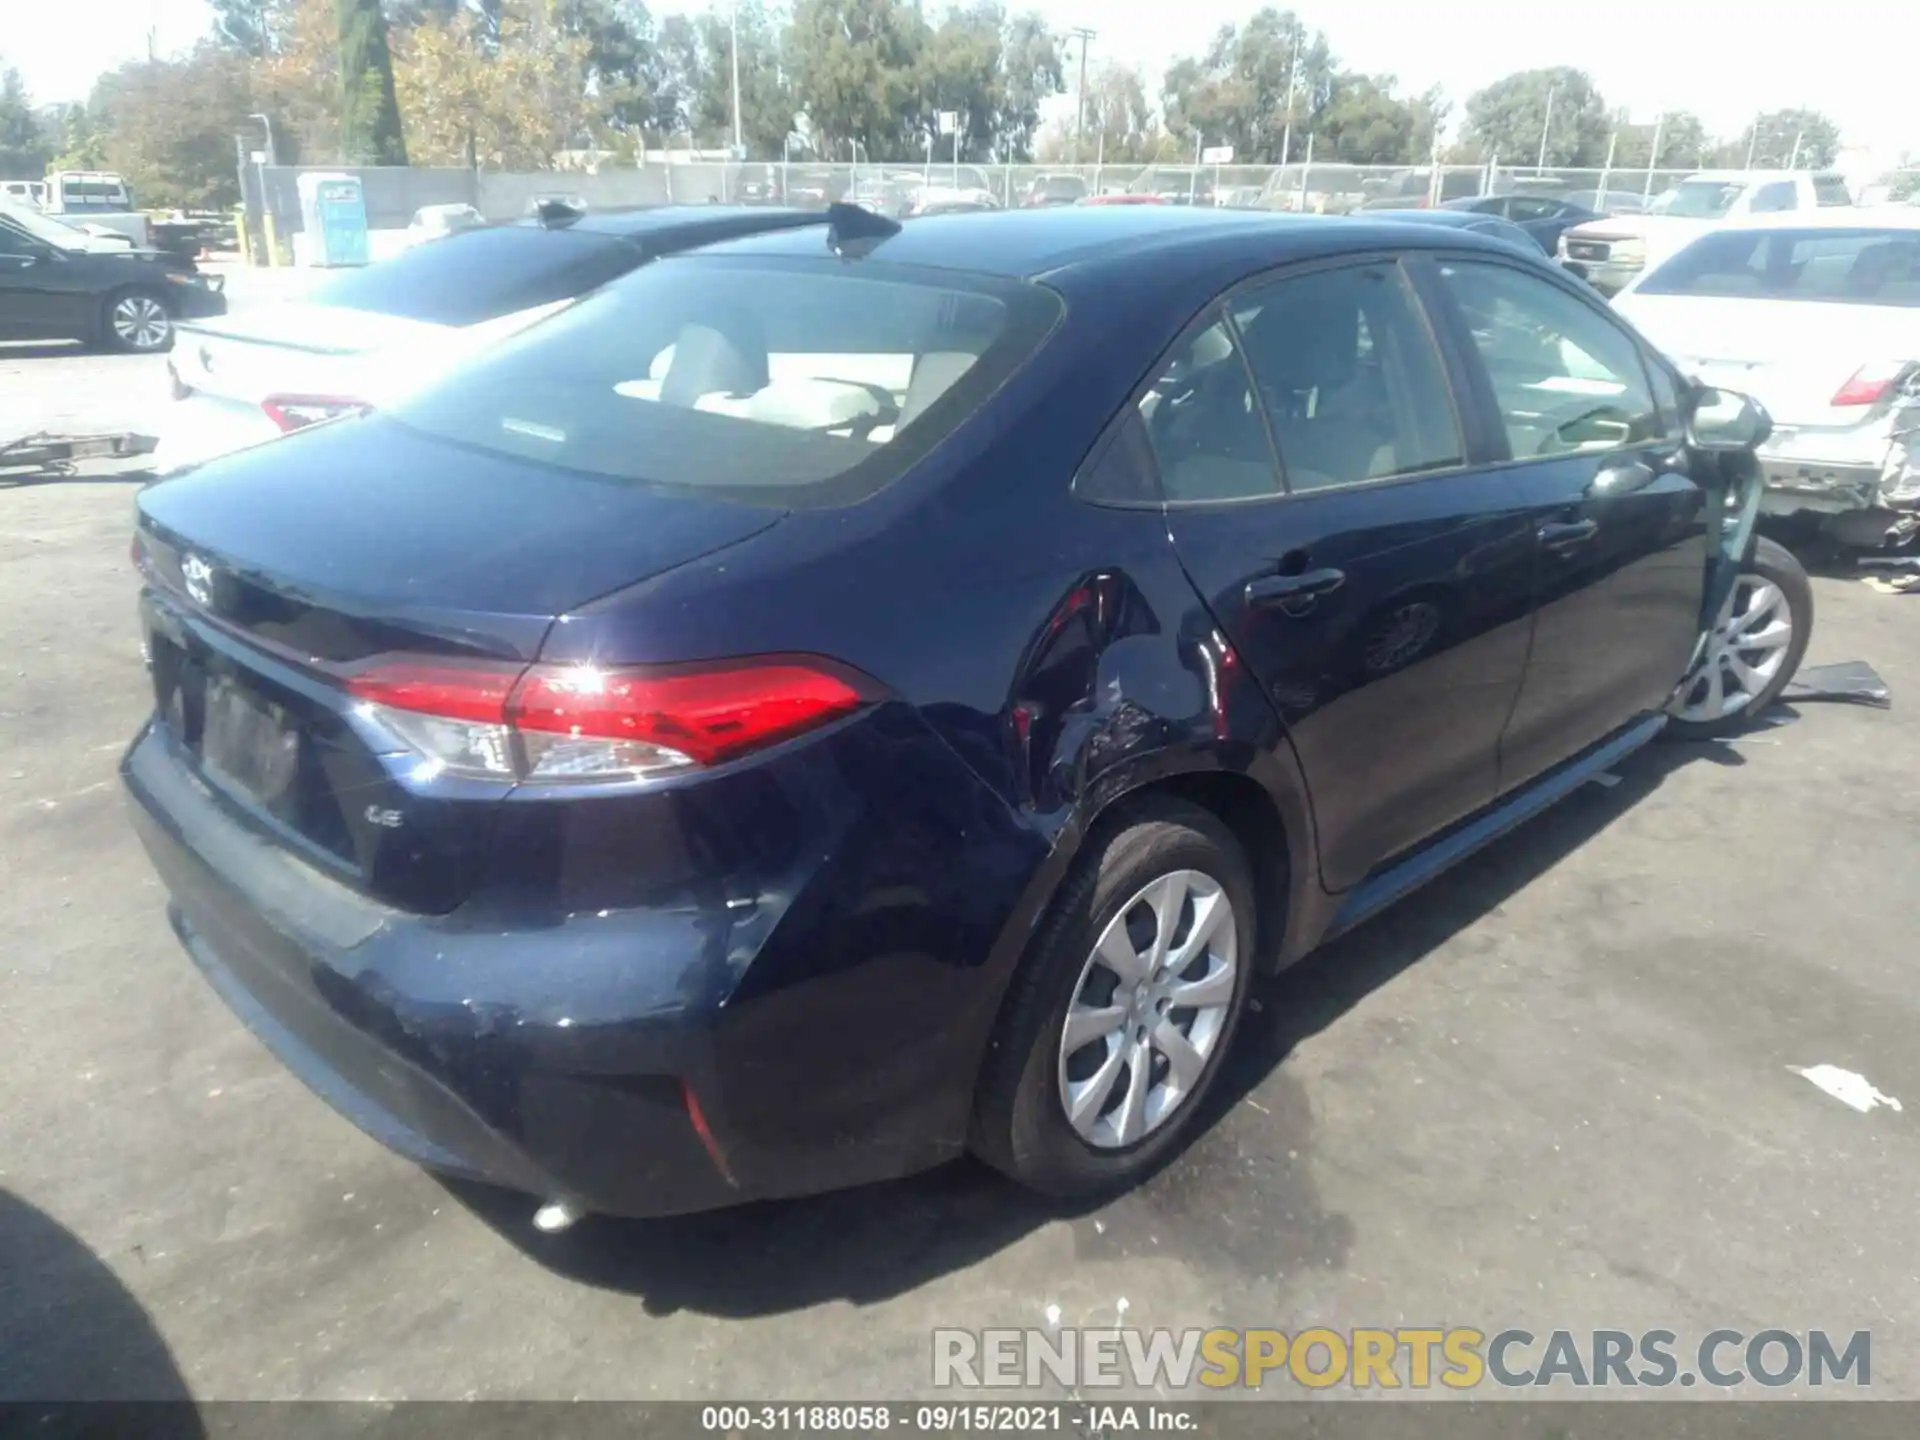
[{"x": 1727, "y": 422}]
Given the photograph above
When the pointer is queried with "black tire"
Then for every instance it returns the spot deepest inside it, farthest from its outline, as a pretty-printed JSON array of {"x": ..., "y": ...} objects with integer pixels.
[
  {"x": 1772, "y": 562},
  {"x": 1020, "y": 1123},
  {"x": 142, "y": 336}
]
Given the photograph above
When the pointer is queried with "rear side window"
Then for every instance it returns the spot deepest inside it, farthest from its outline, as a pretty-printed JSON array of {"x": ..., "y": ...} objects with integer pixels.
[
  {"x": 1778, "y": 196},
  {"x": 808, "y": 383},
  {"x": 1349, "y": 377},
  {"x": 1830, "y": 190},
  {"x": 482, "y": 274},
  {"x": 1866, "y": 266}
]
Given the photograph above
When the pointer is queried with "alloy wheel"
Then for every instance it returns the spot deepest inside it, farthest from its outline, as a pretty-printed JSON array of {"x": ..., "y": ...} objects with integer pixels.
[
  {"x": 1748, "y": 645},
  {"x": 1148, "y": 1009},
  {"x": 141, "y": 322}
]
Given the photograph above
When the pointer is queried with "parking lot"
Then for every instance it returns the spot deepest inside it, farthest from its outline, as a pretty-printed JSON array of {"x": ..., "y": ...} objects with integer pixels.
[{"x": 1556, "y": 1090}]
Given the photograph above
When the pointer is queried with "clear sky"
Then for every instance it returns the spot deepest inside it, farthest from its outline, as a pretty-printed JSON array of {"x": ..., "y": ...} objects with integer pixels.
[{"x": 1723, "y": 59}]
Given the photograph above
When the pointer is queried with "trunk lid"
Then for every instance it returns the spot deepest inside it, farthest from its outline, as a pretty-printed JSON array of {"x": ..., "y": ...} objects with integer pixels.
[
  {"x": 1791, "y": 356},
  {"x": 276, "y": 572}
]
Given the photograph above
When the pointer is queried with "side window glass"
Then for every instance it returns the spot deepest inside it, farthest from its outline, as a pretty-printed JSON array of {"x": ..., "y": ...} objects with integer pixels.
[
  {"x": 1666, "y": 394},
  {"x": 1123, "y": 472},
  {"x": 1199, "y": 416},
  {"x": 1565, "y": 378},
  {"x": 1349, "y": 376},
  {"x": 1780, "y": 195},
  {"x": 12, "y": 242},
  {"x": 1530, "y": 208}
]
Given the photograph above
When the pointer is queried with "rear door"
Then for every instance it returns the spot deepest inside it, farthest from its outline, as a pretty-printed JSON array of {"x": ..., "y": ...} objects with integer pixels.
[
  {"x": 1379, "y": 591},
  {"x": 1588, "y": 427},
  {"x": 27, "y": 306}
]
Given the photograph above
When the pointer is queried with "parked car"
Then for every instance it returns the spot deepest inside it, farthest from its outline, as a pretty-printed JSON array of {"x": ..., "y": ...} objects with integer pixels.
[
  {"x": 57, "y": 283},
  {"x": 1414, "y": 189},
  {"x": 364, "y": 336},
  {"x": 1609, "y": 253},
  {"x": 99, "y": 201},
  {"x": 944, "y": 200},
  {"x": 1316, "y": 189},
  {"x": 1471, "y": 221},
  {"x": 27, "y": 192},
  {"x": 1543, "y": 218},
  {"x": 1176, "y": 185},
  {"x": 436, "y": 222},
  {"x": 1608, "y": 202},
  {"x": 852, "y": 694},
  {"x": 1054, "y": 190},
  {"x": 1817, "y": 315}
]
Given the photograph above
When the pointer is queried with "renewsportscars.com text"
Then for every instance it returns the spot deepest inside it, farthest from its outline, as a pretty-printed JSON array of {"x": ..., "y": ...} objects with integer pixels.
[{"x": 1459, "y": 1358}]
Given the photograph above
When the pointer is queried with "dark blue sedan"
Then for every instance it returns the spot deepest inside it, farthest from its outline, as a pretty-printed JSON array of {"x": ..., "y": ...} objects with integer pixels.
[{"x": 836, "y": 699}]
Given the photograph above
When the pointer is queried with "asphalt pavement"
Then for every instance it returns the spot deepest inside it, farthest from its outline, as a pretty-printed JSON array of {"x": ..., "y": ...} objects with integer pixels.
[{"x": 1557, "y": 1090}]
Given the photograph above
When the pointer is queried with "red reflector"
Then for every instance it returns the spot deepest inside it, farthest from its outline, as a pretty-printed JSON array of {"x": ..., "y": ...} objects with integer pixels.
[
  {"x": 447, "y": 689},
  {"x": 705, "y": 1132},
  {"x": 1868, "y": 385},
  {"x": 296, "y": 412}
]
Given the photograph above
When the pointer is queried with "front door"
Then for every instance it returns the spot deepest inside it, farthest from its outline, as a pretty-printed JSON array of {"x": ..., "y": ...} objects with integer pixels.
[
  {"x": 1602, "y": 468},
  {"x": 28, "y": 306},
  {"x": 1375, "y": 581}
]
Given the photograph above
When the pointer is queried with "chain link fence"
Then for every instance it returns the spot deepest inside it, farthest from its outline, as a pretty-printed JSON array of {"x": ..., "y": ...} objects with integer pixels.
[{"x": 394, "y": 194}]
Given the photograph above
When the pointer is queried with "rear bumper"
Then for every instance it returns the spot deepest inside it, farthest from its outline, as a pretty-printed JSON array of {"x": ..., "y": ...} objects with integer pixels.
[
  {"x": 199, "y": 302},
  {"x": 199, "y": 427},
  {"x": 821, "y": 1048}
]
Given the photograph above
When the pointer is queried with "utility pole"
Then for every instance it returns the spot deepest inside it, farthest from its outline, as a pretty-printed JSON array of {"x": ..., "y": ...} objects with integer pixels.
[
  {"x": 1653, "y": 160},
  {"x": 1083, "y": 35},
  {"x": 1546, "y": 127},
  {"x": 1794, "y": 163},
  {"x": 1753, "y": 140},
  {"x": 733, "y": 22},
  {"x": 1293, "y": 75}
]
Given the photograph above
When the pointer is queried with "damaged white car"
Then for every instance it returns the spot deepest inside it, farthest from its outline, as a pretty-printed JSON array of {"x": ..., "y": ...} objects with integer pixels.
[{"x": 1818, "y": 317}]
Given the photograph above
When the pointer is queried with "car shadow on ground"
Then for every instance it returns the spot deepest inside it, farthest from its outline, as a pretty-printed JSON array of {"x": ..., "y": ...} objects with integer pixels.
[
  {"x": 70, "y": 1331},
  {"x": 878, "y": 1241}
]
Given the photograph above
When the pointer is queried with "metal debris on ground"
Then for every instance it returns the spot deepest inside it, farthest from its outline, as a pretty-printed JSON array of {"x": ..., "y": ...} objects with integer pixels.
[
  {"x": 1854, "y": 681},
  {"x": 1904, "y": 579}
]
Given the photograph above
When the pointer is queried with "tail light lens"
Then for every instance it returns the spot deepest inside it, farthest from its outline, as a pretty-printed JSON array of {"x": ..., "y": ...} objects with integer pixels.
[
  {"x": 1870, "y": 384},
  {"x": 296, "y": 412},
  {"x": 560, "y": 723}
]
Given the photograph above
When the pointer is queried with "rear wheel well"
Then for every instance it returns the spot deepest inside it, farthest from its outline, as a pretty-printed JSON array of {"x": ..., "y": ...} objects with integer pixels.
[{"x": 1246, "y": 809}]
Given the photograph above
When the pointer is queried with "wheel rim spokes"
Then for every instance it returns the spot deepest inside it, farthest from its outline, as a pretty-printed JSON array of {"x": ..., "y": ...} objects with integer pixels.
[
  {"x": 1744, "y": 653},
  {"x": 1148, "y": 1009}
]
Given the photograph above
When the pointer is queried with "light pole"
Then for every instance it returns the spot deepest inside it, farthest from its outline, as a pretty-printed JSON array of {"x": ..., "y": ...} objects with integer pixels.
[
  {"x": 1083, "y": 35},
  {"x": 1546, "y": 127},
  {"x": 733, "y": 22},
  {"x": 1293, "y": 74},
  {"x": 266, "y": 211}
]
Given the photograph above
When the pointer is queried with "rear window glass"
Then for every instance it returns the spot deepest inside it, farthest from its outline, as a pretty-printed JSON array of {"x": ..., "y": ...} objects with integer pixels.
[
  {"x": 796, "y": 383},
  {"x": 1698, "y": 199},
  {"x": 1830, "y": 190},
  {"x": 482, "y": 274},
  {"x": 1848, "y": 267}
]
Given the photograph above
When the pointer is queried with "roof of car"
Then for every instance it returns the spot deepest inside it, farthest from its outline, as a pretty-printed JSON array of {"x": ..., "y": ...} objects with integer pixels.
[
  {"x": 1023, "y": 244},
  {"x": 1831, "y": 217}
]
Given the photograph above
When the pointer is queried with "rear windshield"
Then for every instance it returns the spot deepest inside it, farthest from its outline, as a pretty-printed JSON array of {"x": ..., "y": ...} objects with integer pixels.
[
  {"x": 796, "y": 383},
  {"x": 1849, "y": 267},
  {"x": 482, "y": 274},
  {"x": 1831, "y": 190}
]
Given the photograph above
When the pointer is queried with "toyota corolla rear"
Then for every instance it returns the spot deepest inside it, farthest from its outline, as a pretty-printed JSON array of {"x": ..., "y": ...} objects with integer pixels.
[
  {"x": 1821, "y": 324},
  {"x": 539, "y": 878}
]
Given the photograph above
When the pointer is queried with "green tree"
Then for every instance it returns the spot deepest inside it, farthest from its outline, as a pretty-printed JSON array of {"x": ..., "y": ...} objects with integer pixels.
[
  {"x": 1508, "y": 118},
  {"x": 1122, "y": 128},
  {"x": 1681, "y": 135},
  {"x": 958, "y": 69},
  {"x": 766, "y": 95},
  {"x": 1251, "y": 81},
  {"x": 1776, "y": 137},
  {"x": 247, "y": 26},
  {"x": 369, "y": 113},
  {"x": 168, "y": 126},
  {"x": 1031, "y": 70},
  {"x": 1367, "y": 123},
  {"x": 853, "y": 65},
  {"x": 82, "y": 144},
  {"x": 24, "y": 149},
  {"x": 680, "y": 75}
]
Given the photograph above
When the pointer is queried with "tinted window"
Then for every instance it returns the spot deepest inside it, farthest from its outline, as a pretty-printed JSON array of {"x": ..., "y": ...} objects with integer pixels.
[
  {"x": 1530, "y": 207},
  {"x": 1565, "y": 378},
  {"x": 482, "y": 274},
  {"x": 756, "y": 380},
  {"x": 1698, "y": 199},
  {"x": 1779, "y": 195},
  {"x": 1848, "y": 267},
  {"x": 13, "y": 242},
  {"x": 1349, "y": 376},
  {"x": 1829, "y": 190},
  {"x": 1202, "y": 421}
]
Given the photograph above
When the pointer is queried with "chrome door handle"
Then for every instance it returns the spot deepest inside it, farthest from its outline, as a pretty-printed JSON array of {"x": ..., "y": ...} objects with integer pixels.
[
  {"x": 1567, "y": 534},
  {"x": 1290, "y": 591}
]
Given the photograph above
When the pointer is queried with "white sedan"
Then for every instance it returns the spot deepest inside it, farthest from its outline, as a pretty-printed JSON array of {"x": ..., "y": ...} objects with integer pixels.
[
  {"x": 366, "y": 337},
  {"x": 1817, "y": 315}
]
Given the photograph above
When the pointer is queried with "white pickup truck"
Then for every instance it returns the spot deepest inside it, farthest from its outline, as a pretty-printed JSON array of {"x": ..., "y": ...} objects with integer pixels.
[{"x": 1610, "y": 253}]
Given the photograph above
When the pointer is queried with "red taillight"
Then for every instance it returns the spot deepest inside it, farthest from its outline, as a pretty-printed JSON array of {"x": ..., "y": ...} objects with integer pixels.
[
  {"x": 1869, "y": 385},
  {"x": 296, "y": 412},
  {"x": 584, "y": 723}
]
